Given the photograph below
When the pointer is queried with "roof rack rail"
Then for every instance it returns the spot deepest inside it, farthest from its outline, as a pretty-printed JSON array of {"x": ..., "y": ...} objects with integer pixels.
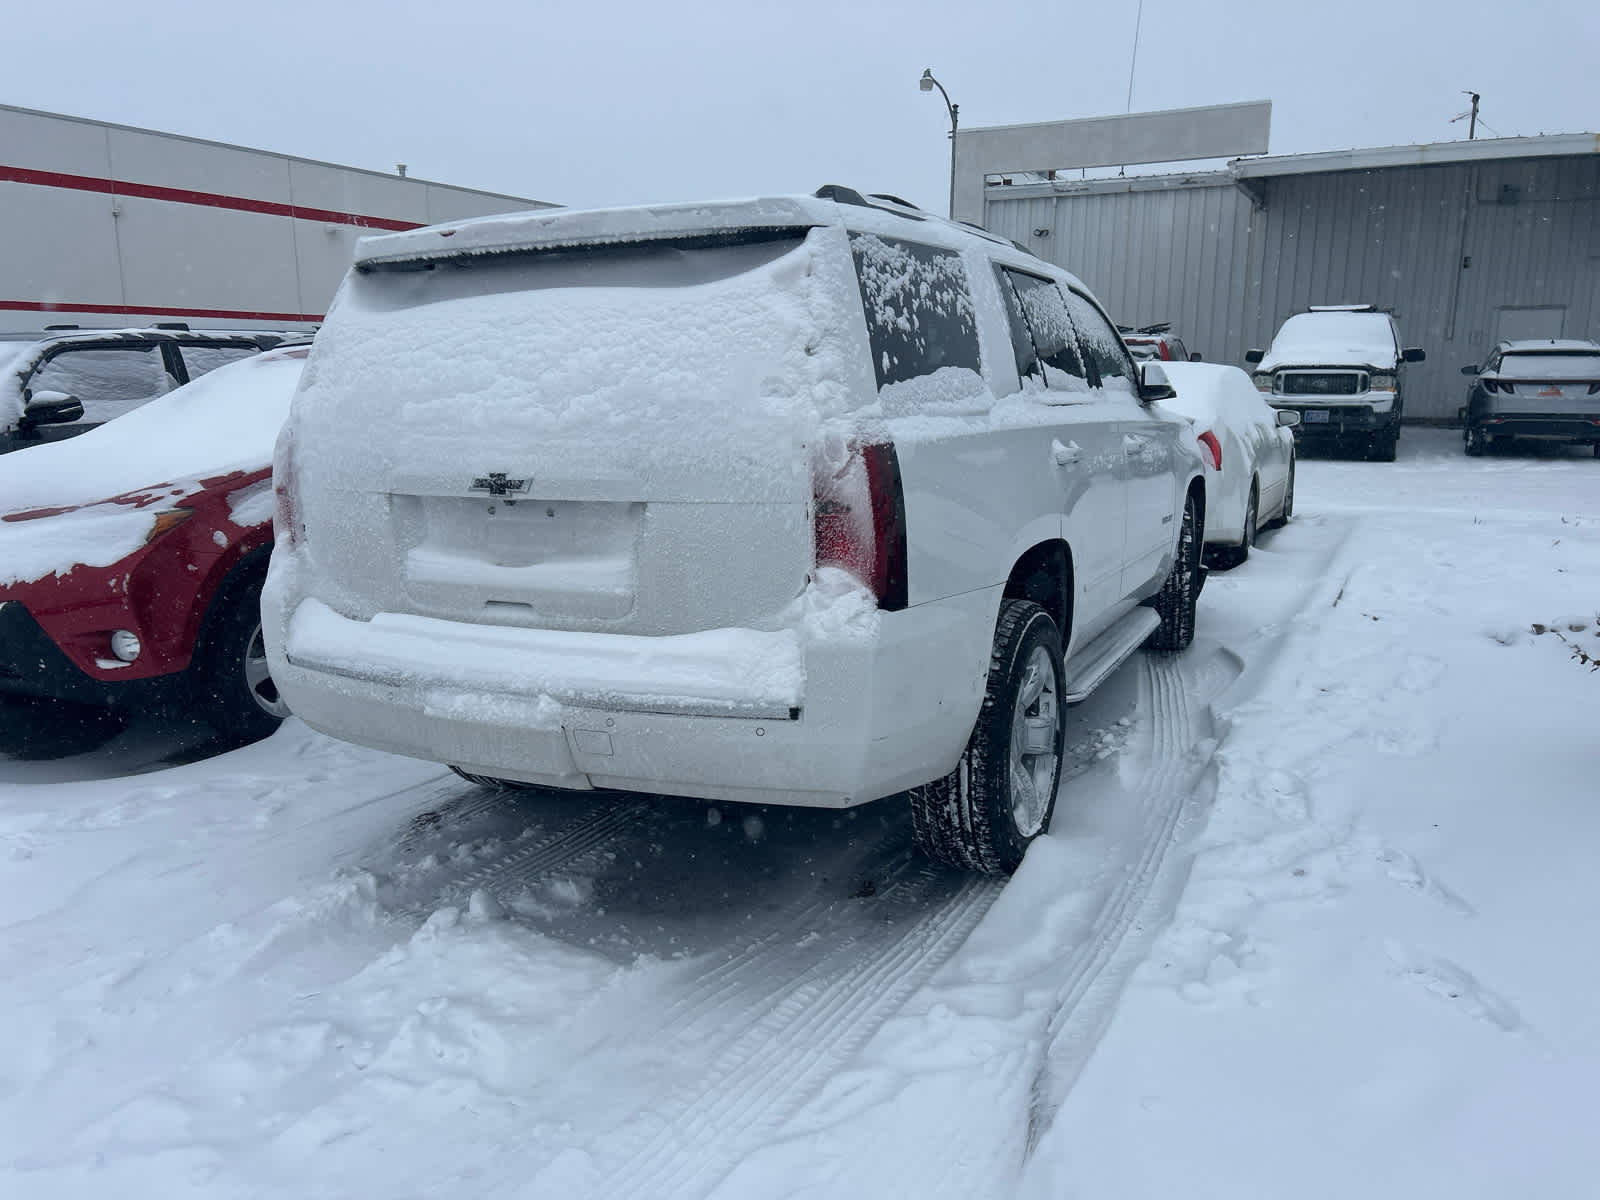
[
  {"x": 53, "y": 328},
  {"x": 1160, "y": 327},
  {"x": 840, "y": 194},
  {"x": 183, "y": 325}
]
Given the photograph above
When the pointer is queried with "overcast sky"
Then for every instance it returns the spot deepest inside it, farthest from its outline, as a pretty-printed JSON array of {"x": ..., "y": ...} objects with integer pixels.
[{"x": 597, "y": 102}]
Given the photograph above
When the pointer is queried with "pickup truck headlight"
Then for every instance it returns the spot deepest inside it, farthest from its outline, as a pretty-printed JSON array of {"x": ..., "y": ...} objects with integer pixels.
[
  {"x": 1262, "y": 380},
  {"x": 1381, "y": 381}
]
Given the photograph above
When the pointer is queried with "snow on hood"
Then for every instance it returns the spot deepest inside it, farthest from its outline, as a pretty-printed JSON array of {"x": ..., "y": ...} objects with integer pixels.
[
  {"x": 227, "y": 420},
  {"x": 1333, "y": 339}
]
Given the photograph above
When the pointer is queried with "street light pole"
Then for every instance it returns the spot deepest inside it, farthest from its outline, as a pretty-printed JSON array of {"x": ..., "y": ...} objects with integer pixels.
[{"x": 927, "y": 83}]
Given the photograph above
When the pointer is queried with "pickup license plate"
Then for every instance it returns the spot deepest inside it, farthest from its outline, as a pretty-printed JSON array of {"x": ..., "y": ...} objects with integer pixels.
[{"x": 1316, "y": 416}]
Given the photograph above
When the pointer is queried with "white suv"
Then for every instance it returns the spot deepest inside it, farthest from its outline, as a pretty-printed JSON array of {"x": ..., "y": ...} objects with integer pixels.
[{"x": 805, "y": 500}]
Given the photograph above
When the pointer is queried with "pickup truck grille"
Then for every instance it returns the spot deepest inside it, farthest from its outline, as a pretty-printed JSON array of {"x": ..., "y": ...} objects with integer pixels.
[{"x": 1322, "y": 383}]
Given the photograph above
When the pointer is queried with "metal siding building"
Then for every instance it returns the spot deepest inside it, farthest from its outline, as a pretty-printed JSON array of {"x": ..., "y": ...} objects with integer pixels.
[
  {"x": 110, "y": 225},
  {"x": 1465, "y": 242}
]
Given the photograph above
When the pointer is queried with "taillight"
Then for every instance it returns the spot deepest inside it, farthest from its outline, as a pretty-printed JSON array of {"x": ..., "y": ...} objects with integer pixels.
[
  {"x": 1213, "y": 450},
  {"x": 859, "y": 520},
  {"x": 286, "y": 527}
]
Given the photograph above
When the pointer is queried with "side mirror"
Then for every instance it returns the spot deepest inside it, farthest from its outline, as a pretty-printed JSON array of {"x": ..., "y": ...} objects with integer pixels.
[
  {"x": 51, "y": 408},
  {"x": 1194, "y": 356},
  {"x": 1469, "y": 370},
  {"x": 1414, "y": 354},
  {"x": 1288, "y": 418},
  {"x": 1254, "y": 356},
  {"x": 1154, "y": 384}
]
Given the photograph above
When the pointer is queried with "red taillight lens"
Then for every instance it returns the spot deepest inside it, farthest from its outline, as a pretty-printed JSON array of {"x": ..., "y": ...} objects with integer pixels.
[
  {"x": 859, "y": 521},
  {"x": 286, "y": 527},
  {"x": 1212, "y": 449}
]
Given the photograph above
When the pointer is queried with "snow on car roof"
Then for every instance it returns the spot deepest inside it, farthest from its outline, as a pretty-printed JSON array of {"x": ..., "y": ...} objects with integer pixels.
[
  {"x": 1212, "y": 394},
  {"x": 557, "y": 227},
  {"x": 1333, "y": 339},
  {"x": 1551, "y": 346}
]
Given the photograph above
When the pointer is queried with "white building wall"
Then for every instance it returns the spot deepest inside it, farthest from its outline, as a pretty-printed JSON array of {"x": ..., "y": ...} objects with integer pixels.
[{"x": 106, "y": 225}]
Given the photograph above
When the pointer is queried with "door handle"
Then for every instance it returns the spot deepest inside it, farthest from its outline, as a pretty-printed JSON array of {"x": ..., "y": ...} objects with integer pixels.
[{"x": 1066, "y": 455}]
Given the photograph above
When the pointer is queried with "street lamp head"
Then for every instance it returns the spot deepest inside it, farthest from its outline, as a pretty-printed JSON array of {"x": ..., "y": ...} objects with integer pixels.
[{"x": 926, "y": 82}]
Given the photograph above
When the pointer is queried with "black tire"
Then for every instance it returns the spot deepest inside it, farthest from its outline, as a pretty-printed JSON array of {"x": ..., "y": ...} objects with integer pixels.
[
  {"x": 1286, "y": 510},
  {"x": 1476, "y": 441},
  {"x": 1384, "y": 446},
  {"x": 490, "y": 781},
  {"x": 984, "y": 814},
  {"x": 1180, "y": 593},
  {"x": 1597, "y": 449},
  {"x": 1228, "y": 557},
  {"x": 230, "y": 688}
]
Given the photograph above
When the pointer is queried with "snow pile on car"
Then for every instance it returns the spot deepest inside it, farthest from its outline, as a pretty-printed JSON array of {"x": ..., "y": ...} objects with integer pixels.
[
  {"x": 1333, "y": 339},
  {"x": 1213, "y": 395},
  {"x": 224, "y": 421}
]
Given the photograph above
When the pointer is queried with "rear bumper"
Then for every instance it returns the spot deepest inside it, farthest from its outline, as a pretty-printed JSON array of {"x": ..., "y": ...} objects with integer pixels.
[
  {"x": 769, "y": 718},
  {"x": 1556, "y": 426},
  {"x": 32, "y": 664}
]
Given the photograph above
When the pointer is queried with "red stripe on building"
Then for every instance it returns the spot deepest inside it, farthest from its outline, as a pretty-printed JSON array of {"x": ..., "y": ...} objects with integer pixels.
[
  {"x": 150, "y": 191},
  {"x": 144, "y": 310}
]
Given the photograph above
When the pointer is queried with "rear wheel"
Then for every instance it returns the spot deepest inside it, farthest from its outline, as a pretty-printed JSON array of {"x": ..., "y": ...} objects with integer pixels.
[
  {"x": 983, "y": 815},
  {"x": 232, "y": 688},
  {"x": 1175, "y": 602},
  {"x": 1232, "y": 556},
  {"x": 1476, "y": 441},
  {"x": 1286, "y": 510}
]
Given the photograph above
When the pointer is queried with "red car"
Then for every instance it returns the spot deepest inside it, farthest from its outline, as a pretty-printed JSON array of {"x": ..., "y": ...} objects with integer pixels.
[{"x": 132, "y": 557}]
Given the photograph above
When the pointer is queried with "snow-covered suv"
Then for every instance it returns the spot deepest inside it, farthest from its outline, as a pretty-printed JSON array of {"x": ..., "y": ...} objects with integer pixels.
[
  {"x": 801, "y": 500},
  {"x": 1340, "y": 366}
]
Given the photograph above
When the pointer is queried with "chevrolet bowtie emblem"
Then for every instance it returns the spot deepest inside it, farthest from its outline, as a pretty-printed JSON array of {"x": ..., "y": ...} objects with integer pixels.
[{"x": 496, "y": 484}]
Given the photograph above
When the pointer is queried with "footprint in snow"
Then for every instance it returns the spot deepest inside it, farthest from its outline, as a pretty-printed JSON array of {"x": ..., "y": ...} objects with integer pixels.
[
  {"x": 1456, "y": 985},
  {"x": 1403, "y": 868}
]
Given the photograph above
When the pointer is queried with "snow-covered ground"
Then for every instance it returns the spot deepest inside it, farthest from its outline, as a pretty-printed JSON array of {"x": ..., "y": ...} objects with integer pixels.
[{"x": 1316, "y": 918}]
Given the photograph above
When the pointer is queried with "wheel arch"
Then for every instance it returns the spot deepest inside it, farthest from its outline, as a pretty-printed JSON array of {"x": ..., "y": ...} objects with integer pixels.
[{"x": 1044, "y": 575}]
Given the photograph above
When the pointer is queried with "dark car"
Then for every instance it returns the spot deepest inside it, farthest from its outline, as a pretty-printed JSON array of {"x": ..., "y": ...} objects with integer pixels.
[
  {"x": 62, "y": 382},
  {"x": 1545, "y": 389},
  {"x": 1156, "y": 342}
]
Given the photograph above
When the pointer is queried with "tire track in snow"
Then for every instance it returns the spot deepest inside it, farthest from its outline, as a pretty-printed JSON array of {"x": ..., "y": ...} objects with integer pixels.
[
  {"x": 1127, "y": 922},
  {"x": 810, "y": 1022}
]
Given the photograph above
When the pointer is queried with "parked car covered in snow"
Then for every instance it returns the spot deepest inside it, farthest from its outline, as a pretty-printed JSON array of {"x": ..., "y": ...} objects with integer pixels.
[
  {"x": 1548, "y": 390},
  {"x": 1342, "y": 368},
  {"x": 64, "y": 382},
  {"x": 1250, "y": 449},
  {"x": 131, "y": 558},
  {"x": 800, "y": 500}
]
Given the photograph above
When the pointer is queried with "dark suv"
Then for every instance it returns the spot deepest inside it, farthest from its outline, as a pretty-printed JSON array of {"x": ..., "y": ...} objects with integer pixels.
[
  {"x": 1548, "y": 390},
  {"x": 63, "y": 382}
]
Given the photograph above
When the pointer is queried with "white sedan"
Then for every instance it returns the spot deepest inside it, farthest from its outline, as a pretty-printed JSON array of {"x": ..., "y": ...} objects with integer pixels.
[{"x": 1249, "y": 451}]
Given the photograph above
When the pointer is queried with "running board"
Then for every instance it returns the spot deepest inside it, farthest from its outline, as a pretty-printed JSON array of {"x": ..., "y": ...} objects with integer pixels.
[{"x": 1088, "y": 667}]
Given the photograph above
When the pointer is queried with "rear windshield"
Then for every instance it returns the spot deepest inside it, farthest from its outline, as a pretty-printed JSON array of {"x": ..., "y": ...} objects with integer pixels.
[{"x": 1550, "y": 366}]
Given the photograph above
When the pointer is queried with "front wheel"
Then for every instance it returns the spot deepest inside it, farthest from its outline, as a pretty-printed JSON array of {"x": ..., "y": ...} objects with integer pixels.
[
  {"x": 1384, "y": 447},
  {"x": 984, "y": 814},
  {"x": 232, "y": 688}
]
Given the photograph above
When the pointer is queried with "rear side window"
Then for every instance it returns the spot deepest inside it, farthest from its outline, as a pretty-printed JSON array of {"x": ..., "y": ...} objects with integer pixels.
[
  {"x": 918, "y": 305},
  {"x": 1101, "y": 342},
  {"x": 1060, "y": 365},
  {"x": 202, "y": 360}
]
